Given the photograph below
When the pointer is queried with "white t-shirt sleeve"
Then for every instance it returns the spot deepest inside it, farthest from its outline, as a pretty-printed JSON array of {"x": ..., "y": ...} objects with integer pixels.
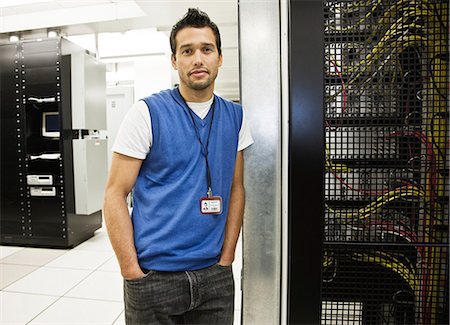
[
  {"x": 245, "y": 136},
  {"x": 134, "y": 138}
]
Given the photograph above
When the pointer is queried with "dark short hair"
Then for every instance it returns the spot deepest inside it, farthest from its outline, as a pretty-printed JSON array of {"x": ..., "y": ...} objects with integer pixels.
[{"x": 197, "y": 19}]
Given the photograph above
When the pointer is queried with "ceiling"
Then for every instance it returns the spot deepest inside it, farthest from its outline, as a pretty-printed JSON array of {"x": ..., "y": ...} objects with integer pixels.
[{"x": 33, "y": 18}]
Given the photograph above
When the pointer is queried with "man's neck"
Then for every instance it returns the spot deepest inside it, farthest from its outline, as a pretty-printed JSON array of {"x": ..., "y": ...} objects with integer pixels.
[{"x": 196, "y": 96}]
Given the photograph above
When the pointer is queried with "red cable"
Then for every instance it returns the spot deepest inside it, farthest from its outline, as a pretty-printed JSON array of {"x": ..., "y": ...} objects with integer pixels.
[{"x": 344, "y": 91}]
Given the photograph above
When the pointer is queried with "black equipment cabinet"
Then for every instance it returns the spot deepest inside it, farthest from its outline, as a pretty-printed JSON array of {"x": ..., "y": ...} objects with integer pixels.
[
  {"x": 385, "y": 254},
  {"x": 368, "y": 162},
  {"x": 37, "y": 169}
]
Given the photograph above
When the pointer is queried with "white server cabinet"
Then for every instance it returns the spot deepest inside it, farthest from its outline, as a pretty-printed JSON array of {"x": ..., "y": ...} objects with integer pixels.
[
  {"x": 88, "y": 86},
  {"x": 89, "y": 173}
]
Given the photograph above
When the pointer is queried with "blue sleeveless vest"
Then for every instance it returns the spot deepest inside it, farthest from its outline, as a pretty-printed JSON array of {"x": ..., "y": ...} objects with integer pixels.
[{"x": 170, "y": 233}]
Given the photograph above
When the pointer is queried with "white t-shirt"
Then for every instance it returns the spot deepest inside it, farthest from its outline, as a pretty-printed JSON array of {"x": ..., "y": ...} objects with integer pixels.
[{"x": 134, "y": 138}]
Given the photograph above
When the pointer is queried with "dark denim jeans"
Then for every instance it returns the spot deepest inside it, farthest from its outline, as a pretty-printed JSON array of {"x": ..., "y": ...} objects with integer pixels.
[{"x": 203, "y": 296}]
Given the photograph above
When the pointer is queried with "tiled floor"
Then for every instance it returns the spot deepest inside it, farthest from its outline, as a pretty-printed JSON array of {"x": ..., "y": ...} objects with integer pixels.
[{"x": 78, "y": 286}]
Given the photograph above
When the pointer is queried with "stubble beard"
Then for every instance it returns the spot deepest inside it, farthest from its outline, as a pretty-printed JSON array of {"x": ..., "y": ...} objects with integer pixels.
[{"x": 200, "y": 85}]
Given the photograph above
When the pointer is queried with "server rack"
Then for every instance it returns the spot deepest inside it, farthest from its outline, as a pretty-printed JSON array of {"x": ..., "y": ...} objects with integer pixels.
[
  {"x": 385, "y": 254},
  {"x": 39, "y": 158}
]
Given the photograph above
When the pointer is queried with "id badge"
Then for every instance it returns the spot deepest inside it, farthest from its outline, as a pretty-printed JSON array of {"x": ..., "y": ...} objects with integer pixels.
[{"x": 211, "y": 205}]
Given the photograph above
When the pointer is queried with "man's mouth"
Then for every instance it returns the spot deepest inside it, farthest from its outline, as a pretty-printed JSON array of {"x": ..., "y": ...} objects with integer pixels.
[{"x": 199, "y": 73}]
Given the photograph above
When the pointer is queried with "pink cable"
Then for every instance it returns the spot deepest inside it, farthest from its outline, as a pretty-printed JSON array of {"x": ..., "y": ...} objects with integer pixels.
[{"x": 344, "y": 91}]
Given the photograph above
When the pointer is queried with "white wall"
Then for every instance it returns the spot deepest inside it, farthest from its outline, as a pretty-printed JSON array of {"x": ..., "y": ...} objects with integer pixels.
[
  {"x": 151, "y": 75},
  {"x": 118, "y": 102}
]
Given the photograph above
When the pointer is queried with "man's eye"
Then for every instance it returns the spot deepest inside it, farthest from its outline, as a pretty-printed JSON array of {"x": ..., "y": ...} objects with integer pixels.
[
  {"x": 186, "y": 52},
  {"x": 207, "y": 49}
]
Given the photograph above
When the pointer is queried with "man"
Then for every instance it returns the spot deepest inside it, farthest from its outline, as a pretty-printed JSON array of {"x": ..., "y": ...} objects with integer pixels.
[{"x": 182, "y": 152}]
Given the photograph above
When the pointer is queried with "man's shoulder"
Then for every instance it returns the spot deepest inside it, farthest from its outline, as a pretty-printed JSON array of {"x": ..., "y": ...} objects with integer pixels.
[
  {"x": 229, "y": 103},
  {"x": 231, "y": 109}
]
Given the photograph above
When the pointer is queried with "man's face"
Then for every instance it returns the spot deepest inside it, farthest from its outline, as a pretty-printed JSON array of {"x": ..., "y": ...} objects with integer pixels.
[{"x": 197, "y": 58}]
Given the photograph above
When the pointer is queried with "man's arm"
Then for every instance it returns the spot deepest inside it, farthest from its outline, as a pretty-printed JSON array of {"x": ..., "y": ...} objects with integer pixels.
[
  {"x": 235, "y": 212},
  {"x": 123, "y": 174}
]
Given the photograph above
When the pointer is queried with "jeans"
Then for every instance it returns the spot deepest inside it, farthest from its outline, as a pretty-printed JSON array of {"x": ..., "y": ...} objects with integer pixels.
[{"x": 203, "y": 296}]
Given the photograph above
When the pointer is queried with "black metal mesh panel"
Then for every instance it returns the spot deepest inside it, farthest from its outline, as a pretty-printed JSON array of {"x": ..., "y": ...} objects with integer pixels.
[{"x": 385, "y": 258}]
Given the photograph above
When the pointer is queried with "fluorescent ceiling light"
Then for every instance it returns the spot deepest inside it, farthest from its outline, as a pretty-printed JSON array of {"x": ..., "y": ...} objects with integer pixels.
[
  {"x": 14, "y": 3},
  {"x": 135, "y": 45},
  {"x": 132, "y": 43},
  {"x": 95, "y": 12},
  {"x": 133, "y": 58},
  {"x": 52, "y": 33}
]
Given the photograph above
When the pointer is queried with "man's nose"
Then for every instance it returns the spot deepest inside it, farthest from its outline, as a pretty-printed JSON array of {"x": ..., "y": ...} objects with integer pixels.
[{"x": 198, "y": 57}]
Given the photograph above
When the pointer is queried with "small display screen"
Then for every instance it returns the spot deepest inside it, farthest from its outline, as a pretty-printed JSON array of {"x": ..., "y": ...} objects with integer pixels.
[{"x": 50, "y": 124}]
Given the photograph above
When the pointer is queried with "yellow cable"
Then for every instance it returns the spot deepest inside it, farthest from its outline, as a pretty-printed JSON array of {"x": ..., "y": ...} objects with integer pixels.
[
  {"x": 382, "y": 200},
  {"x": 327, "y": 261},
  {"x": 330, "y": 166},
  {"x": 386, "y": 198},
  {"x": 390, "y": 263}
]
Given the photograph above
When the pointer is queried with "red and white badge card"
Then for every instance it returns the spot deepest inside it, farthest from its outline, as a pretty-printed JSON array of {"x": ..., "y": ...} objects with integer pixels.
[{"x": 211, "y": 205}]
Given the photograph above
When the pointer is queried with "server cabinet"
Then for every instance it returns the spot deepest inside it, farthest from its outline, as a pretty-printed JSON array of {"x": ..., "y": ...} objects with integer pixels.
[
  {"x": 40, "y": 169},
  {"x": 385, "y": 254},
  {"x": 12, "y": 190}
]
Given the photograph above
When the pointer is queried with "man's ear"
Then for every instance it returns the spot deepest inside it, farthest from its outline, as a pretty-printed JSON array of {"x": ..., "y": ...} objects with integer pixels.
[
  {"x": 173, "y": 59},
  {"x": 220, "y": 59}
]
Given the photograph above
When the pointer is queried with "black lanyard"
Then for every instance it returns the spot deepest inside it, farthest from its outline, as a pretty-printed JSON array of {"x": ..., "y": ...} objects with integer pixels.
[{"x": 203, "y": 146}]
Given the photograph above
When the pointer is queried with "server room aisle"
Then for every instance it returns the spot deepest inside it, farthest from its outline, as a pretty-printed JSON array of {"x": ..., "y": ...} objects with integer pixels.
[{"x": 78, "y": 286}]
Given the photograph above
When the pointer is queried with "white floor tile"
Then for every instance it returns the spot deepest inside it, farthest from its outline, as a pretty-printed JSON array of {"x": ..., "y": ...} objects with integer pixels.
[
  {"x": 20, "y": 308},
  {"x": 110, "y": 266},
  {"x": 237, "y": 317},
  {"x": 101, "y": 286},
  {"x": 79, "y": 311},
  {"x": 8, "y": 250},
  {"x": 33, "y": 256},
  {"x": 49, "y": 281},
  {"x": 100, "y": 242},
  {"x": 237, "y": 300},
  {"x": 120, "y": 320},
  {"x": 81, "y": 259},
  {"x": 101, "y": 246},
  {"x": 237, "y": 271},
  {"x": 11, "y": 273}
]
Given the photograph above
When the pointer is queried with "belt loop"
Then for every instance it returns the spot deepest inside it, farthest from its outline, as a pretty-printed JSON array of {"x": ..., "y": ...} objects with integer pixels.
[{"x": 191, "y": 289}]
